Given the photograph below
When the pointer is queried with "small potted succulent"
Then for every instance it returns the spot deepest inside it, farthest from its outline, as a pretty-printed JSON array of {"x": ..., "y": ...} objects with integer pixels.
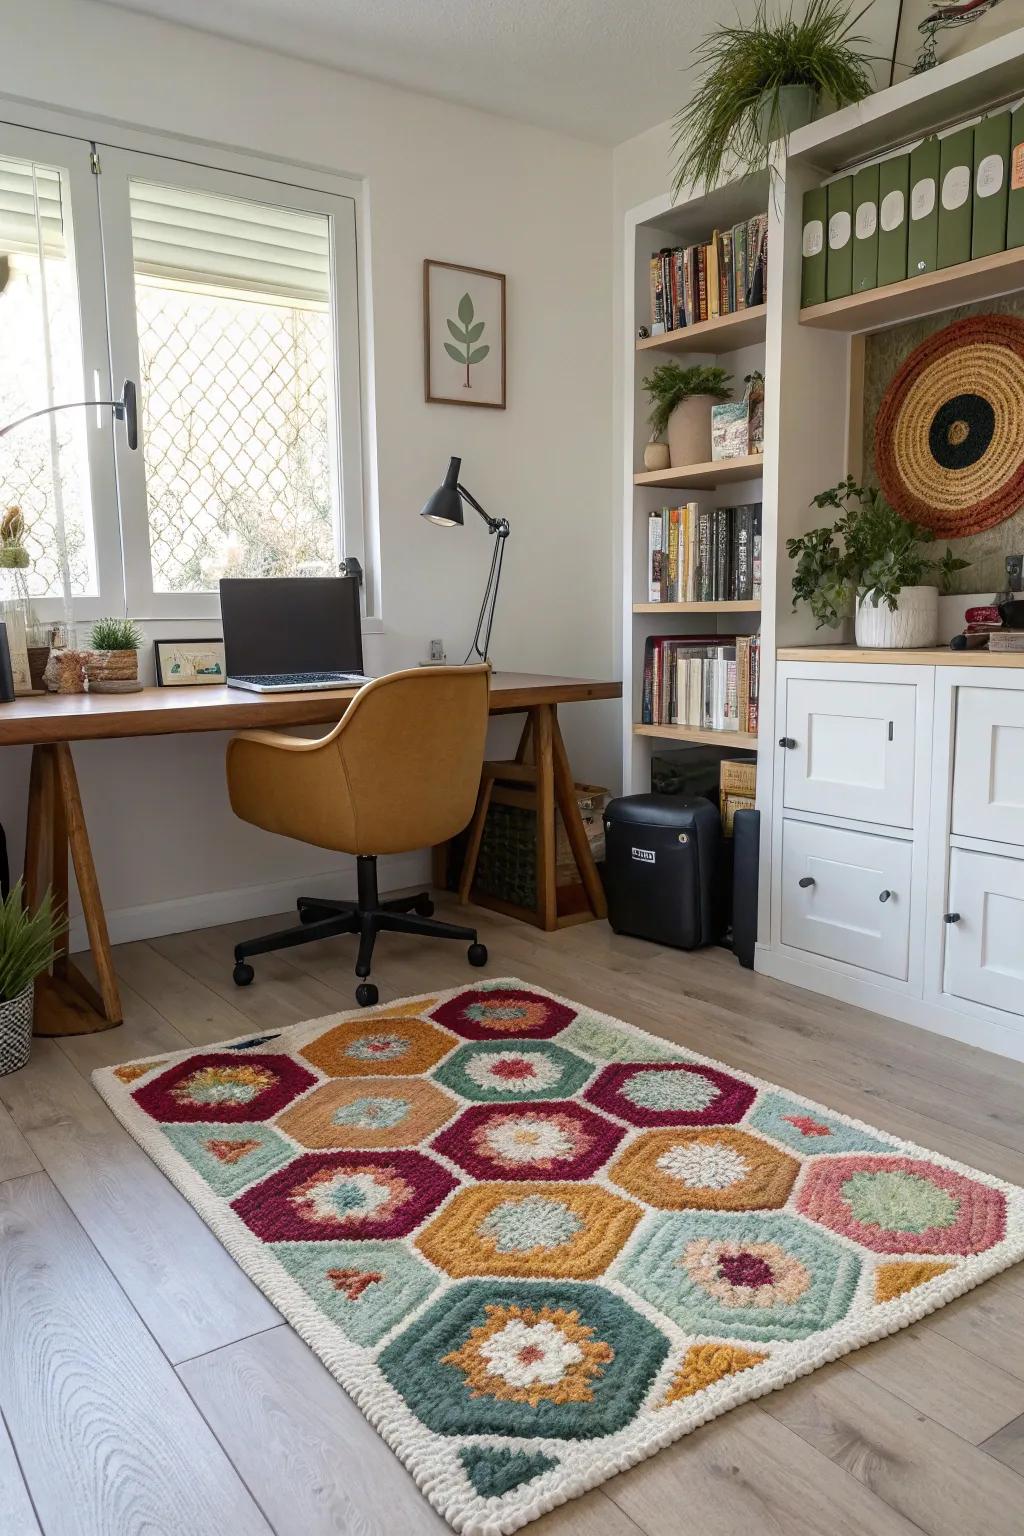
[
  {"x": 681, "y": 401},
  {"x": 113, "y": 665},
  {"x": 27, "y": 942},
  {"x": 872, "y": 560}
]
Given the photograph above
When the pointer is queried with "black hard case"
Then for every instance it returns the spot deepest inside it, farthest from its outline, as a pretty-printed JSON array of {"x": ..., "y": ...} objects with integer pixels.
[{"x": 661, "y": 866}]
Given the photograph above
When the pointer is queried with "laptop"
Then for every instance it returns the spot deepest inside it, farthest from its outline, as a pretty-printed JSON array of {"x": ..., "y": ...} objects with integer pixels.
[{"x": 288, "y": 633}]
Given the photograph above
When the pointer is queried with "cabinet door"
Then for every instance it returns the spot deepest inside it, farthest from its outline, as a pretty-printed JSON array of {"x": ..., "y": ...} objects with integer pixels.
[
  {"x": 846, "y": 896},
  {"x": 988, "y": 772},
  {"x": 985, "y": 946},
  {"x": 852, "y": 751}
]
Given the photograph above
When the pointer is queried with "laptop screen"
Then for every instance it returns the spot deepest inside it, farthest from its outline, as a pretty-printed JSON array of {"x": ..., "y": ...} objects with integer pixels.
[{"x": 291, "y": 624}]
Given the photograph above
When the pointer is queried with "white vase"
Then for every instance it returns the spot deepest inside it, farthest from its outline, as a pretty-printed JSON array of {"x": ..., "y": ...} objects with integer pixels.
[{"x": 915, "y": 620}]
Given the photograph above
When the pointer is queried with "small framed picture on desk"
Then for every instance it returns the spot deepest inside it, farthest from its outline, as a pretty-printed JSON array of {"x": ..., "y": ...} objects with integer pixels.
[{"x": 189, "y": 663}]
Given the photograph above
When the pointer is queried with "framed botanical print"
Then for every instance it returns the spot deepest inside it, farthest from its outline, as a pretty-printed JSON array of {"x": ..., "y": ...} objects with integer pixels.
[{"x": 463, "y": 335}]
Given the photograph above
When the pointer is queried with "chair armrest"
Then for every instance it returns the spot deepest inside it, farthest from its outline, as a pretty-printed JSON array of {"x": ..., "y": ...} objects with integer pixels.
[{"x": 280, "y": 740}]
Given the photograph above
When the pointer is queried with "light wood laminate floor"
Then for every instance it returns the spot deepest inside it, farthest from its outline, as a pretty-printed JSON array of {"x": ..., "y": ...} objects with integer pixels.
[{"x": 146, "y": 1386}]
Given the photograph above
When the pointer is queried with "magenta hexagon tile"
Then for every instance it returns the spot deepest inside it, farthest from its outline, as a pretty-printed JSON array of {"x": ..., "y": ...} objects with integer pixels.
[
  {"x": 330, "y": 1196},
  {"x": 504, "y": 1013},
  {"x": 556, "y": 1140},
  {"x": 671, "y": 1093},
  {"x": 902, "y": 1205},
  {"x": 224, "y": 1086}
]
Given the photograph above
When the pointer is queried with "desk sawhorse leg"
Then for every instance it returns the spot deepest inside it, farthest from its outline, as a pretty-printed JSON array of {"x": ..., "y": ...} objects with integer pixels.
[{"x": 66, "y": 1003}]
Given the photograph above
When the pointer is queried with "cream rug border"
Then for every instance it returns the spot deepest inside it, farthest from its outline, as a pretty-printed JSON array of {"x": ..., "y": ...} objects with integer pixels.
[{"x": 433, "y": 1460}]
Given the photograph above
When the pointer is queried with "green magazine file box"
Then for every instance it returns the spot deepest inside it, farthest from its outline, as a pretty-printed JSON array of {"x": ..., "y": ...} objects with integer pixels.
[
  {"x": 839, "y": 263},
  {"x": 812, "y": 272},
  {"x": 991, "y": 181},
  {"x": 923, "y": 230},
  {"x": 865, "y": 229},
  {"x": 1015, "y": 196},
  {"x": 893, "y": 194},
  {"x": 956, "y": 178}
]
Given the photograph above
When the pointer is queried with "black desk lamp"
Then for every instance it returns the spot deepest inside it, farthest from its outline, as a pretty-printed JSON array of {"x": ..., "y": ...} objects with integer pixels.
[{"x": 445, "y": 509}]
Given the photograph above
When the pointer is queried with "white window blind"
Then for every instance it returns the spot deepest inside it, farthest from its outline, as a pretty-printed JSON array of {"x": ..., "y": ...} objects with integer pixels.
[{"x": 20, "y": 181}]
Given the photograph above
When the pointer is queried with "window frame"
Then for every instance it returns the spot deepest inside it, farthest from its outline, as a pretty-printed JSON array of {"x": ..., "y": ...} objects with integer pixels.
[{"x": 316, "y": 190}]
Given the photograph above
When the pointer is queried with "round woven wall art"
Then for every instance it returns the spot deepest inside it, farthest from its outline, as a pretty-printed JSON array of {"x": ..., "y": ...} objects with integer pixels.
[{"x": 949, "y": 434}]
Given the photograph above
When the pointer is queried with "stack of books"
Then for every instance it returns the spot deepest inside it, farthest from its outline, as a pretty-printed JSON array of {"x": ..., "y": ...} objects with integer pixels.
[
  {"x": 704, "y": 554},
  {"x": 701, "y": 282},
  {"x": 708, "y": 682}
]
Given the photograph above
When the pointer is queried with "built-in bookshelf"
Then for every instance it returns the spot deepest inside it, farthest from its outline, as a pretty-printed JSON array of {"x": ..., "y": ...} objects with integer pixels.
[
  {"x": 727, "y": 605},
  {"x": 726, "y": 333},
  {"x": 878, "y": 308},
  {"x": 739, "y": 741},
  {"x": 714, "y": 473}
]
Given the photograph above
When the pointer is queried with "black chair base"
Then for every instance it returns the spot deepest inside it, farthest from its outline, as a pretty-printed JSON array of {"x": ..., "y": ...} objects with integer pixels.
[{"x": 367, "y": 916}]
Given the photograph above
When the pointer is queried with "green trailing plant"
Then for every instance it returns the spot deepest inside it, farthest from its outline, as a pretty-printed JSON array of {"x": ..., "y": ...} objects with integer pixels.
[
  {"x": 27, "y": 941},
  {"x": 868, "y": 551},
  {"x": 745, "y": 67},
  {"x": 669, "y": 384},
  {"x": 116, "y": 635}
]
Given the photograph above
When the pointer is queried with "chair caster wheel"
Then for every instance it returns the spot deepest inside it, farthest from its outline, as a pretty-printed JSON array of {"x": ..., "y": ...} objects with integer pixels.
[
  {"x": 424, "y": 907},
  {"x": 242, "y": 974},
  {"x": 366, "y": 994},
  {"x": 477, "y": 954}
]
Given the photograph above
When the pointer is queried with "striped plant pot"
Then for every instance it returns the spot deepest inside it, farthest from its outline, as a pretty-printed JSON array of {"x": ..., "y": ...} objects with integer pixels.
[{"x": 16, "y": 1030}]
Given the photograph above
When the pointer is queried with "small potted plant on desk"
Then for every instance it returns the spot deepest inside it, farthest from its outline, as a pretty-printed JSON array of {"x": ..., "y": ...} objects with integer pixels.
[
  {"x": 681, "y": 401},
  {"x": 27, "y": 942},
  {"x": 871, "y": 559},
  {"x": 113, "y": 665}
]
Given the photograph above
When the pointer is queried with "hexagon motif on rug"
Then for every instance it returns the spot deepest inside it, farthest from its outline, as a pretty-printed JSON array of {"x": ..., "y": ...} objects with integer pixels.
[
  {"x": 561, "y": 1140},
  {"x": 222, "y": 1086},
  {"x": 495, "y": 1071},
  {"x": 671, "y": 1093},
  {"x": 230, "y": 1156},
  {"x": 598, "y": 1037},
  {"x": 500, "y": 1012},
  {"x": 366, "y": 1288},
  {"x": 323, "y": 1196},
  {"x": 903, "y": 1205},
  {"x": 360, "y": 1112},
  {"x": 810, "y": 1134},
  {"x": 366, "y": 1048},
  {"x": 557, "y": 1360},
  {"x": 754, "y": 1276},
  {"x": 570, "y": 1231},
  {"x": 713, "y": 1169}
]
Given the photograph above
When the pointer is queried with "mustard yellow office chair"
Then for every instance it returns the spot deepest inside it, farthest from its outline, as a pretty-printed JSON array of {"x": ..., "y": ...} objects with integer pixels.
[{"x": 400, "y": 771}]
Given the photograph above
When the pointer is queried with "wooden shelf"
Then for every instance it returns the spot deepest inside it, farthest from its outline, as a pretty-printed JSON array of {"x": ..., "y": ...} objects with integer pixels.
[
  {"x": 924, "y": 295},
  {"x": 724, "y": 607},
  {"x": 925, "y": 656},
  {"x": 717, "y": 472},
  {"x": 744, "y": 740},
  {"x": 728, "y": 333}
]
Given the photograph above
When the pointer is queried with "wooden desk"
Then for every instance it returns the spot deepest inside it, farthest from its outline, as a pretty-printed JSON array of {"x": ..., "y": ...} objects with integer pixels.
[{"x": 66, "y": 1002}]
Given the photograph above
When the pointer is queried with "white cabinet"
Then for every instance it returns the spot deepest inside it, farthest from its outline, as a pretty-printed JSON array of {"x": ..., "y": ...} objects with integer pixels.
[
  {"x": 988, "y": 771},
  {"x": 849, "y": 748},
  {"x": 985, "y": 941},
  {"x": 847, "y": 896}
]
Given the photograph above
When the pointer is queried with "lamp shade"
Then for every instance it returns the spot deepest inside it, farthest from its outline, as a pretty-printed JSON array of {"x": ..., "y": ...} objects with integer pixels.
[{"x": 445, "y": 505}]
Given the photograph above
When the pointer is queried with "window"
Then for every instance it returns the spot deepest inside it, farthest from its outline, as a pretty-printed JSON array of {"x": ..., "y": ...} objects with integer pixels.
[{"x": 231, "y": 301}]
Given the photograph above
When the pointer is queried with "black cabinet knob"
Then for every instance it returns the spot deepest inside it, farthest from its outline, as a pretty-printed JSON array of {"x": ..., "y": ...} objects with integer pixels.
[
  {"x": 806, "y": 881},
  {"x": 786, "y": 741},
  {"x": 951, "y": 917},
  {"x": 884, "y": 895}
]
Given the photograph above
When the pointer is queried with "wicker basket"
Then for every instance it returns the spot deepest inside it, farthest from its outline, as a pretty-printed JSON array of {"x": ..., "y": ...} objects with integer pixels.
[{"x": 16, "y": 1030}]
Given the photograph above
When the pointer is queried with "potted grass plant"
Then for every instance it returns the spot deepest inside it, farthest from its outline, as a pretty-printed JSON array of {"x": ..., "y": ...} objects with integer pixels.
[
  {"x": 681, "y": 401},
  {"x": 27, "y": 942},
  {"x": 113, "y": 665},
  {"x": 761, "y": 79},
  {"x": 875, "y": 562}
]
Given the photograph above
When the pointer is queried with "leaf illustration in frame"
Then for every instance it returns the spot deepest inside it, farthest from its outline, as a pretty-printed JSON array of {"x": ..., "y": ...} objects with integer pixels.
[
  {"x": 459, "y": 333},
  {"x": 453, "y": 352},
  {"x": 478, "y": 354},
  {"x": 466, "y": 310},
  {"x": 474, "y": 332}
]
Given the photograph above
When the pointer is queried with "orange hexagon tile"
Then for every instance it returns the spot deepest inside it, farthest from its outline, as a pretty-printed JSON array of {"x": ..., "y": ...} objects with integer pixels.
[
  {"x": 357, "y": 1112},
  {"x": 566, "y": 1231},
  {"x": 378, "y": 1047},
  {"x": 712, "y": 1168}
]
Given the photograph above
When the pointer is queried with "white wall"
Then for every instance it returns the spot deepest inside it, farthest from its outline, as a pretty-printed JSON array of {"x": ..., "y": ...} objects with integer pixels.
[{"x": 440, "y": 181}]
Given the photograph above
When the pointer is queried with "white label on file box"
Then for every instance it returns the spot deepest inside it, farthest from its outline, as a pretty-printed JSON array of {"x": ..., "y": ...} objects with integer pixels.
[
  {"x": 866, "y": 221},
  {"x": 891, "y": 211},
  {"x": 956, "y": 187},
  {"x": 838, "y": 230},
  {"x": 990, "y": 175},
  {"x": 922, "y": 198},
  {"x": 814, "y": 235}
]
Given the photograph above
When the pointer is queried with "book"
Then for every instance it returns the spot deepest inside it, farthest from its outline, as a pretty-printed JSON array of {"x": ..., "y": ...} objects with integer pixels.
[
  {"x": 730, "y": 805},
  {"x": 893, "y": 190},
  {"x": 812, "y": 271},
  {"x": 705, "y": 682},
  {"x": 923, "y": 229},
  {"x": 1006, "y": 640},
  {"x": 865, "y": 229},
  {"x": 1015, "y": 194},
  {"x": 956, "y": 174},
  {"x": 991, "y": 183},
  {"x": 756, "y": 552},
  {"x": 738, "y": 776},
  {"x": 724, "y": 274},
  {"x": 839, "y": 258}
]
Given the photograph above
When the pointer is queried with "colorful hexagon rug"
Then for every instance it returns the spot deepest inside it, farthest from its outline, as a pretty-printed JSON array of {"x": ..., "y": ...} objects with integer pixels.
[{"x": 535, "y": 1244}]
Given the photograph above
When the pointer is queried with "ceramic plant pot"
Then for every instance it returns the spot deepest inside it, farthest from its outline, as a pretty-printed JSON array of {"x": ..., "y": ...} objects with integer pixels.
[
  {"x": 778, "y": 119},
  {"x": 656, "y": 456},
  {"x": 915, "y": 620},
  {"x": 16, "y": 1030},
  {"x": 689, "y": 431}
]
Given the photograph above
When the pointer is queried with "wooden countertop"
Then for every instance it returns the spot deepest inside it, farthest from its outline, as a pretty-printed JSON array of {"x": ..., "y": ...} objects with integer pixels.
[
  {"x": 168, "y": 711},
  {"x": 926, "y": 656}
]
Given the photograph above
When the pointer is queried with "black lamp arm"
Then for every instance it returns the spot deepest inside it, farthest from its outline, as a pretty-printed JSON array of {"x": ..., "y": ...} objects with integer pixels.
[{"x": 498, "y": 525}]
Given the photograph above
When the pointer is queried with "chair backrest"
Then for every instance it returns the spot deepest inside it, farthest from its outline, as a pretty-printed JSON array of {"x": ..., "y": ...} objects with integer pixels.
[{"x": 412, "y": 747}]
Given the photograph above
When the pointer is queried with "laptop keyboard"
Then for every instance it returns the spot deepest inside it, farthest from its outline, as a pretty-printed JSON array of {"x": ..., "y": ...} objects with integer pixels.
[{"x": 299, "y": 679}]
